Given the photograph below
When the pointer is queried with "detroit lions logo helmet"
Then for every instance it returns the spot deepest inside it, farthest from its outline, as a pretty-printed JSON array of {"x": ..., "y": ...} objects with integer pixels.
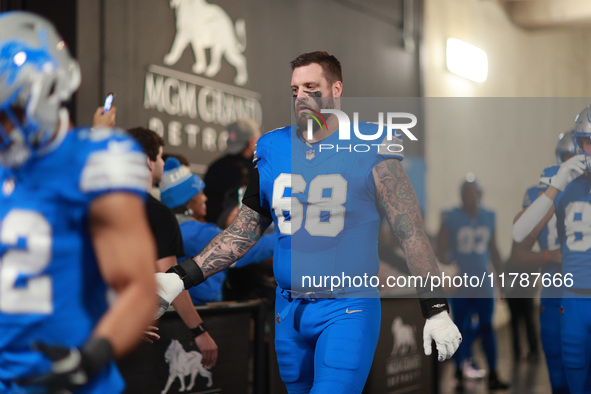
[
  {"x": 582, "y": 132},
  {"x": 37, "y": 75},
  {"x": 565, "y": 148}
]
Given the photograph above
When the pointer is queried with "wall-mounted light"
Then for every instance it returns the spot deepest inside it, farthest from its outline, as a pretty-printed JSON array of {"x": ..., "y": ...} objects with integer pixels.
[{"x": 466, "y": 60}]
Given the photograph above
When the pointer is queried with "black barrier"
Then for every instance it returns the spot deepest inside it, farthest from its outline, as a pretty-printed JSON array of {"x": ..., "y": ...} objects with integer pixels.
[
  {"x": 246, "y": 357},
  {"x": 400, "y": 365},
  {"x": 173, "y": 364}
]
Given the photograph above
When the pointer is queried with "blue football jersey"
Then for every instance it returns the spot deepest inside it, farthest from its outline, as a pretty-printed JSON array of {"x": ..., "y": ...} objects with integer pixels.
[
  {"x": 530, "y": 195},
  {"x": 470, "y": 239},
  {"x": 51, "y": 289},
  {"x": 322, "y": 199},
  {"x": 573, "y": 212}
]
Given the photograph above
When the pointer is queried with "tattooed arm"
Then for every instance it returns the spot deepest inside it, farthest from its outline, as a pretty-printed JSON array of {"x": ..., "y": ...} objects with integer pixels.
[
  {"x": 233, "y": 243},
  {"x": 225, "y": 249},
  {"x": 396, "y": 200}
]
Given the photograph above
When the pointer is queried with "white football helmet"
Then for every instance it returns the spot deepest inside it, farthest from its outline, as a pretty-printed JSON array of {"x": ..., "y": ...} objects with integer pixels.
[
  {"x": 565, "y": 147},
  {"x": 582, "y": 132},
  {"x": 37, "y": 75}
]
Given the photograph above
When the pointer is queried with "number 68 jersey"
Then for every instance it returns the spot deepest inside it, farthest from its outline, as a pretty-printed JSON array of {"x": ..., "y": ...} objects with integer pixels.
[
  {"x": 322, "y": 200},
  {"x": 51, "y": 289}
]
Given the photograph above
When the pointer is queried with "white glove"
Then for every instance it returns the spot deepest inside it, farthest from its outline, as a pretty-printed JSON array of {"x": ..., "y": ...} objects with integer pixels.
[
  {"x": 441, "y": 329},
  {"x": 168, "y": 287},
  {"x": 568, "y": 171}
]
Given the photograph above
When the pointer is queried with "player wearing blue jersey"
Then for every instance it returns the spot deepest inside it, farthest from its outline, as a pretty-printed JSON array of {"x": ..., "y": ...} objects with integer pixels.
[
  {"x": 548, "y": 259},
  {"x": 467, "y": 239},
  {"x": 72, "y": 224},
  {"x": 327, "y": 209},
  {"x": 568, "y": 196}
]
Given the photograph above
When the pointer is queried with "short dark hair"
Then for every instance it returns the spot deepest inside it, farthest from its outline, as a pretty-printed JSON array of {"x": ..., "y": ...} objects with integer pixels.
[
  {"x": 148, "y": 139},
  {"x": 330, "y": 64}
]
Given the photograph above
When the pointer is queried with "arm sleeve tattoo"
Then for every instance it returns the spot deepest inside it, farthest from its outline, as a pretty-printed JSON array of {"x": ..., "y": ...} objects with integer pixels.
[
  {"x": 232, "y": 243},
  {"x": 396, "y": 199}
]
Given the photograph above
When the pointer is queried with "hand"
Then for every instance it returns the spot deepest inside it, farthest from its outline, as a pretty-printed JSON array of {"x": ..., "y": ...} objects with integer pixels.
[
  {"x": 568, "y": 171},
  {"x": 441, "y": 329},
  {"x": 150, "y": 334},
  {"x": 101, "y": 119},
  {"x": 169, "y": 286},
  {"x": 71, "y": 368},
  {"x": 209, "y": 349}
]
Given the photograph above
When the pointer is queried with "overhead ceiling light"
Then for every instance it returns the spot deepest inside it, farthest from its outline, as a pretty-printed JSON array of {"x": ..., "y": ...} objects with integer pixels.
[{"x": 466, "y": 60}]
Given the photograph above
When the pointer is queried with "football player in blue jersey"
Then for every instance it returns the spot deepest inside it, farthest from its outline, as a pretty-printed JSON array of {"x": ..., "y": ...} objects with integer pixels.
[
  {"x": 567, "y": 195},
  {"x": 72, "y": 224},
  {"x": 467, "y": 238},
  {"x": 327, "y": 208},
  {"x": 548, "y": 259}
]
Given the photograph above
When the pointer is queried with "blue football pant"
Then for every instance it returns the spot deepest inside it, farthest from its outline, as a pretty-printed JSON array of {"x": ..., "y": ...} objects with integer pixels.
[
  {"x": 550, "y": 331},
  {"x": 463, "y": 309},
  {"x": 323, "y": 349},
  {"x": 576, "y": 342}
]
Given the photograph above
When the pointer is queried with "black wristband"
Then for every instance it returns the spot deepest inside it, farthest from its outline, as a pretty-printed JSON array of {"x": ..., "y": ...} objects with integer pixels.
[
  {"x": 189, "y": 272},
  {"x": 96, "y": 353},
  {"x": 200, "y": 329},
  {"x": 432, "y": 306},
  {"x": 432, "y": 301}
]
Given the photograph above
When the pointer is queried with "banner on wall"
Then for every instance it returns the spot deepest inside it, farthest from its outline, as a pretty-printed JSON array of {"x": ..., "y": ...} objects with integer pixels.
[{"x": 190, "y": 107}]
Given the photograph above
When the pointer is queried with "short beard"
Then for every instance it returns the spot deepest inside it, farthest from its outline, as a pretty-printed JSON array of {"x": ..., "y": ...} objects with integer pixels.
[{"x": 323, "y": 103}]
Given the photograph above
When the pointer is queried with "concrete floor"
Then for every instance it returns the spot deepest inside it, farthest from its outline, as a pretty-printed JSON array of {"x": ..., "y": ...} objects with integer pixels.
[{"x": 525, "y": 377}]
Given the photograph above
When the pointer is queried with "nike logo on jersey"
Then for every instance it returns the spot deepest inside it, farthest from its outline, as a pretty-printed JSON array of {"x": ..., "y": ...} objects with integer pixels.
[{"x": 353, "y": 311}]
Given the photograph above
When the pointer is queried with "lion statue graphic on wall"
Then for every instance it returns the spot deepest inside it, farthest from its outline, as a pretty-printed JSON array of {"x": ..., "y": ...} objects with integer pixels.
[
  {"x": 404, "y": 338},
  {"x": 181, "y": 364},
  {"x": 203, "y": 26}
]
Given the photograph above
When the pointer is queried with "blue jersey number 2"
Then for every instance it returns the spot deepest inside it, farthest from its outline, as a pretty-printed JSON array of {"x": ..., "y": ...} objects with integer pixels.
[{"x": 26, "y": 235}]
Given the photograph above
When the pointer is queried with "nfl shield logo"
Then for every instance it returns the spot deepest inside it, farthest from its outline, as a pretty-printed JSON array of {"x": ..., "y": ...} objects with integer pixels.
[
  {"x": 8, "y": 187},
  {"x": 310, "y": 154}
]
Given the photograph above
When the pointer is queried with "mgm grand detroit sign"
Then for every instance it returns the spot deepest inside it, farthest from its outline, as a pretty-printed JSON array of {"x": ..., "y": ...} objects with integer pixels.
[{"x": 191, "y": 110}]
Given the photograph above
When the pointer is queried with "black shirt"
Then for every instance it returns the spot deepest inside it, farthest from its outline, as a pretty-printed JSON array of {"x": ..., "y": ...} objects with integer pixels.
[
  {"x": 252, "y": 197},
  {"x": 165, "y": 228},
  {"x": 227, "y": 173}
]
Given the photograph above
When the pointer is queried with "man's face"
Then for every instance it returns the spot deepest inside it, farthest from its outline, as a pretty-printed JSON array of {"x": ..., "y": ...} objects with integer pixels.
[
  {"x": 157, "y": 168},
  {"x": 471, "y": 196},
  {"x": 585, "y": 144},
  {"x": 312, "y": 90}
]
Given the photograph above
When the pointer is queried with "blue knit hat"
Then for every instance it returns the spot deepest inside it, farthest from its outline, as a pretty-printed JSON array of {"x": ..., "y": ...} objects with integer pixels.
[{"x": 178, "y": 184}]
